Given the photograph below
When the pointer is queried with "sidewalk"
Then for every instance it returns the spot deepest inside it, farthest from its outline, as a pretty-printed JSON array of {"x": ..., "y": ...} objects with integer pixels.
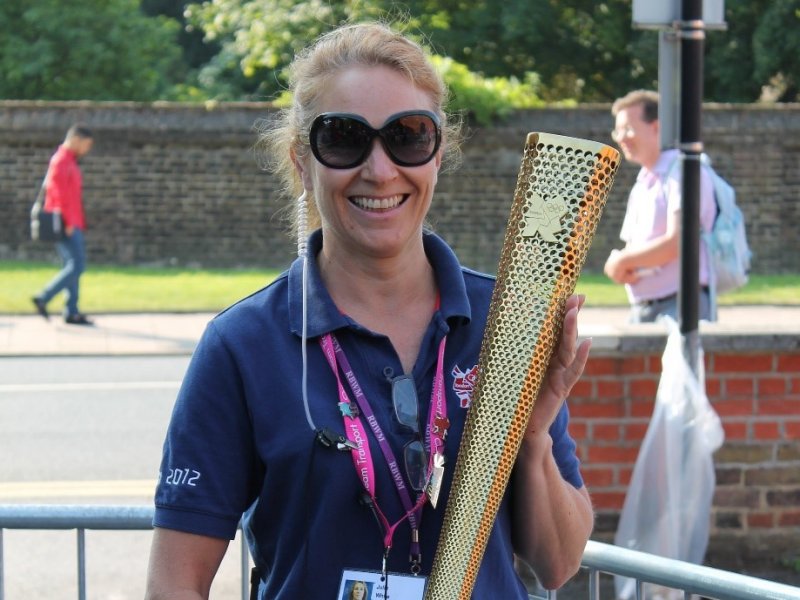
[
  {"x": 170, "y": 333},
  {"x": 120, "y": 334}
]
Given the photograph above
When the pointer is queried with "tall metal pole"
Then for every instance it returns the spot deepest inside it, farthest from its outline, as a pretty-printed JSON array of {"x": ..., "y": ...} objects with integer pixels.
[{"x": 692, "y": 34}]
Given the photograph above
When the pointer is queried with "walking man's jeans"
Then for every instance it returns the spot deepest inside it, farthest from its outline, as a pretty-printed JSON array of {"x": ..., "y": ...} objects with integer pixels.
[
  {"x": 649, "y": 311},
  {"x": 73, "y": 253}
]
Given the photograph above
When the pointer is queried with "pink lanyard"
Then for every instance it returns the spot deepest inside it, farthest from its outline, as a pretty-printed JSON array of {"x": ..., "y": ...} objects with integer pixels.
[{"x": 435, "y": 435}]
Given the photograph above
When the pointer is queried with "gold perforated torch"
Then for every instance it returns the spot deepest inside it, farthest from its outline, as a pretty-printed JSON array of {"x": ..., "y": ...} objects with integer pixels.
[{"x": 561, "y": 190}]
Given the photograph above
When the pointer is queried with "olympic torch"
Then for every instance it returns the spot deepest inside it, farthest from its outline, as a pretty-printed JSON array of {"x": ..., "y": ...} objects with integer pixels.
[{"x": 561, "y": 190}]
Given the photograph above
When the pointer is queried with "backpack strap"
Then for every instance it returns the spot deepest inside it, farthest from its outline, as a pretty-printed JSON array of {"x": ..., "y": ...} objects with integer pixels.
[
  {"x": 705, "y": 162},
  {"x": 39, "y": 202},
  {"x": 705, "y": 236}
]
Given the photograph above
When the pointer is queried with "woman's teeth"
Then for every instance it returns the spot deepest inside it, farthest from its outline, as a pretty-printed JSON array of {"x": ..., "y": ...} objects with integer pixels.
[{"x": 377, "y": 203}]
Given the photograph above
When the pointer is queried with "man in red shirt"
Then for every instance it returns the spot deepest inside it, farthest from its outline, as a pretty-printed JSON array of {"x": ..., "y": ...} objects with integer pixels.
[{"x": 64, "y": 192}]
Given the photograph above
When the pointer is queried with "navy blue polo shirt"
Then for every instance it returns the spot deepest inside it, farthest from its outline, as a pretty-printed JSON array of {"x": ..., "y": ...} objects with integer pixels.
[{"x": 240, "y": 441}]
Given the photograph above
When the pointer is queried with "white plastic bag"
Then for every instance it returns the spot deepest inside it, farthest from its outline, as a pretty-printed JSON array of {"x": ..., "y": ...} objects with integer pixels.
[{"x": 668, "y": 504}]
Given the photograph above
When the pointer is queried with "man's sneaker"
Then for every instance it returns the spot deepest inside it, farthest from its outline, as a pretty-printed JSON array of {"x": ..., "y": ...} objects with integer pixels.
[
  {"x": 77, "y": 319},
  {"x": 41, "y": 307}
]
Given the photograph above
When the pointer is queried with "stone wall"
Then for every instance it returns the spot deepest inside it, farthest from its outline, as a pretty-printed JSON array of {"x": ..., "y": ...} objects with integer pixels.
[
  {"x": 753, "y": 383},
  {"x": 181, "y": 184}
]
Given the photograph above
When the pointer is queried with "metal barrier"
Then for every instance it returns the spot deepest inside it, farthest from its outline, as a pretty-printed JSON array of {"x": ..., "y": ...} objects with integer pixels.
[
  {"x": 81, "y": 518},
  {"x": 597, "y": 558},
  {"x": 692, "y": 579}
]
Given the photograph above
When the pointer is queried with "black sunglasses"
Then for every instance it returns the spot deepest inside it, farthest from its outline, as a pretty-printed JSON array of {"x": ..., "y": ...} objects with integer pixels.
[
  {"x": 344, "y": 141},
  {"x": 406, "y": 409}
]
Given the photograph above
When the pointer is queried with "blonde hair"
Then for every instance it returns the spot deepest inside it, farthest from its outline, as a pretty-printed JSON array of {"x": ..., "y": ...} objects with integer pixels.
[{"x": 364, "y": 44}]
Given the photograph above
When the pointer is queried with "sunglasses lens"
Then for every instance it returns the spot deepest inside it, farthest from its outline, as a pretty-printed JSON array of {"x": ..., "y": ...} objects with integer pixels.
[
  {"x": 416, "y": 464},
  {"x": 343, "y": 141},
  {"x": 404, "y": 399},
  {"x": 340, "y": 142},
  {"x": 411, "y": 140}
]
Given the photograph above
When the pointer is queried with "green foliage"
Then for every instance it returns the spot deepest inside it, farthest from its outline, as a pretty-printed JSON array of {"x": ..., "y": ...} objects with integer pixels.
[
  {"x": 259, "y": 38},
  {"x": 580, "y": 49},
  {"x": 759, "y": 52},
  {"x": 548, "y": 50},
  {"x": 85, "y": 49},
  {"x": 196, "y": 52},
  {"x": 486, "y": 98},
  {"x": 729, "y": 62},
  {"x": 776, "y": 45}
]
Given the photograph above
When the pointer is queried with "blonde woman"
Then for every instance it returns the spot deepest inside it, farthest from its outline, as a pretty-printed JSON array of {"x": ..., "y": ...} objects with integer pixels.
[{"x": 309, "y": 406}]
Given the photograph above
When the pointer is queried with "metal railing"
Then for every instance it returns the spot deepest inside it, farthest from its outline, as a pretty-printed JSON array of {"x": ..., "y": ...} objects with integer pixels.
[
  {"x": 89, "y": 517},
  {"x": 690, "y": 578},
  {"x": 597, "y": 558}
]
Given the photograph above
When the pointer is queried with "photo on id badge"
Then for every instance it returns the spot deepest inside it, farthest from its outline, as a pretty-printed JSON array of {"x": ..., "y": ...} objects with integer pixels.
[{"x": 368, "y": 585}]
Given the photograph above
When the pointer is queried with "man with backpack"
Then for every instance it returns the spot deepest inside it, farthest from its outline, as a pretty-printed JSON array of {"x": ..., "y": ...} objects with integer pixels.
[
  {"x": 64, "y": 192},
  {"x": 649, "y": 264}
]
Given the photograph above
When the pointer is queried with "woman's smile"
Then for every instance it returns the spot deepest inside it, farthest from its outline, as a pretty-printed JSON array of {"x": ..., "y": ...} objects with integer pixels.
[{"x": 381, "y": 204}]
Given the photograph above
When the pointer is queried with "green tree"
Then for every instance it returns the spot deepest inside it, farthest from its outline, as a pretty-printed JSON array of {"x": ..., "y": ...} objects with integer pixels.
[
  {"x": 581, "y": 50},
  {"x": 588, "y": 50},
  {"x": 758, "y": 52},
  {"x": 85, "y": 49},
  {"x": 776, "y": 48},
  {"x": 195, "y": 51},
  {"x": 258, "y": 38}
]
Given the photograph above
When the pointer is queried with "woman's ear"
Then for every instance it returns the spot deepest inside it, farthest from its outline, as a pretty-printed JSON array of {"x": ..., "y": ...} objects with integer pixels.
[
  {"x": 438, "y": 164},
  {"x": 302, "y": 171}
]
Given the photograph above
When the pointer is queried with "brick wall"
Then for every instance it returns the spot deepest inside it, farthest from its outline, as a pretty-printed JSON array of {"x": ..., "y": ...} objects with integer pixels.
[
  {"x": 181, "y": 184},
  {"x": 753, "y": 383}
]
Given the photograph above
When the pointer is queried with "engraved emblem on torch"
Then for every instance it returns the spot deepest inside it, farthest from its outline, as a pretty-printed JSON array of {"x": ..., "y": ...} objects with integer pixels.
[{"x": 544, "y": 218}]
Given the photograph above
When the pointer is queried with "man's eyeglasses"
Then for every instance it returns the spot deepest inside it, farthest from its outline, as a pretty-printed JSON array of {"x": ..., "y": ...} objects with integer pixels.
[
  {"x": 344, "y": 141},
  {"x": 622, "y": 133},
  {"x": 406, "y": 409}
]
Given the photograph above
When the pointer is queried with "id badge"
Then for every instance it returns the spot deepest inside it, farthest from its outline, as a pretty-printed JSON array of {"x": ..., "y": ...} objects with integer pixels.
[
  {"x": 437, "y": 476},
  {"x": 369, "y": 585}
]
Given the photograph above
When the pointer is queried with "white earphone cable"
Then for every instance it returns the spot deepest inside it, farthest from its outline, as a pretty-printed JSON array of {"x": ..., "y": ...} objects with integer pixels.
[{"x": 302, "y": 252}]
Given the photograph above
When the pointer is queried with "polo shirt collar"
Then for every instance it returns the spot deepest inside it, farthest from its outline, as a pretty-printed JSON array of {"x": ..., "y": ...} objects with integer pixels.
[
  {"x": 664, "y": 164},
  {"x": 322, "y": 314}
]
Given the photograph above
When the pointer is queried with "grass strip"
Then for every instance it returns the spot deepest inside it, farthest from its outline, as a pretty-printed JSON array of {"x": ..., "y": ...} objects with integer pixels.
[{"x": 107, "y": 289}]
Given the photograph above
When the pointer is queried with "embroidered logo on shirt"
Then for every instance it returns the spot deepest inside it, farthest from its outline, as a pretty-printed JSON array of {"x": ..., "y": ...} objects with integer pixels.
[
  {"x": 464, "y": 383},
  {"x": 185, "y": 476}
]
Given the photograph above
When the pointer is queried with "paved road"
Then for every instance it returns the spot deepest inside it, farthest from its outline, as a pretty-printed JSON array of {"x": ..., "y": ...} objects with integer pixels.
[
  {"x": 84, "y": 419},
  {"x": 85, "y": 430},
  {"x": 168, "y": 333}
]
